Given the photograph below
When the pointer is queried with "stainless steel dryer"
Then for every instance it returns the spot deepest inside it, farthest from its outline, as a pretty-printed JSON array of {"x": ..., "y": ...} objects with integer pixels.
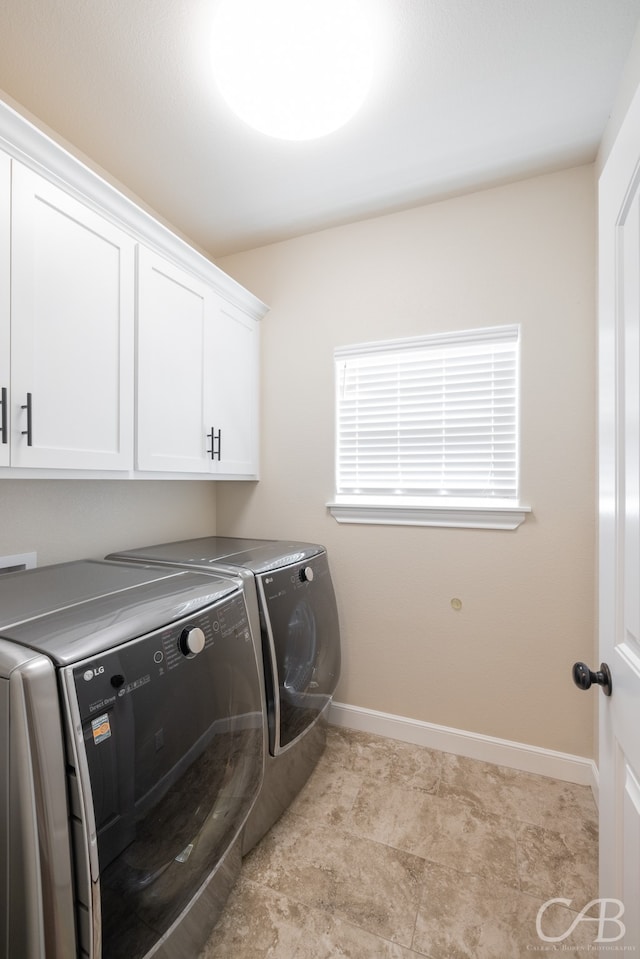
[
  {"x": 131, "y": 753},
  {"x": 292, "y": 606}
]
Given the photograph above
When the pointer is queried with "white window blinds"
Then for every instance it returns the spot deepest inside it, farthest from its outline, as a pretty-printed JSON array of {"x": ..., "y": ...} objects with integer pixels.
[{"x": 434, "y": 417}]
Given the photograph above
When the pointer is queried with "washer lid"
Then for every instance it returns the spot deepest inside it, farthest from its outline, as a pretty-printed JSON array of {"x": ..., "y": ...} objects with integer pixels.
[
  {"x": 74, "y": 610},
  {"x": 257, "y": 555}
]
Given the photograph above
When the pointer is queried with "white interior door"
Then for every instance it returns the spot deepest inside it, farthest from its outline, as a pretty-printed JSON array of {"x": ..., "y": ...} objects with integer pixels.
[
  {"x": 619, "y": 587},
  {"x": 5, "y": 307}
]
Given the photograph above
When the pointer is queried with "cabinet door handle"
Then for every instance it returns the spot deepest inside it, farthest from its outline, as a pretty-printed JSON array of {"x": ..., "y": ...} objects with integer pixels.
[
  {"x": 29, "y": 430},
  {"x": 3, "y": 426},
  {"x": 214, "y": 452}
]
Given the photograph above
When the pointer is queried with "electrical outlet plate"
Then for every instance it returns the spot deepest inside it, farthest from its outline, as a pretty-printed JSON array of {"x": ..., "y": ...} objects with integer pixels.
[{"x": 17, "y": 562}]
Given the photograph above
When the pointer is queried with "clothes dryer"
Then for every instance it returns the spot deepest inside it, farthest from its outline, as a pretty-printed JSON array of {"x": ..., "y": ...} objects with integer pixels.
[
  {"x": 292, "y": 607},
  {"x": 131, "y": 753}
]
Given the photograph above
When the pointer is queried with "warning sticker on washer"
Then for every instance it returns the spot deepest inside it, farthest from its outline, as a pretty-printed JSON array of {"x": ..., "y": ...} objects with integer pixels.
[{"x": 101, "y": 728}]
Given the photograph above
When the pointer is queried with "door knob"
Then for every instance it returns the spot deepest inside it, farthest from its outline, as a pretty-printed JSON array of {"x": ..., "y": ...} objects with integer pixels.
[{"x": 584, "y": 677}]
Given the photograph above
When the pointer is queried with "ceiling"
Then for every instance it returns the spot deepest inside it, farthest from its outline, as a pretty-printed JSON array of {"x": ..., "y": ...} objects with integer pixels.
[{"x": 467, "y": 93}]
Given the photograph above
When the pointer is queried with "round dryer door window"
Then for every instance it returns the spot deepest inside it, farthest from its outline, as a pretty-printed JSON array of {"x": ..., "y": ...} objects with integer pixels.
[
  {"x": 299, "y": 608},
  {"x": 301, "y": 655}
]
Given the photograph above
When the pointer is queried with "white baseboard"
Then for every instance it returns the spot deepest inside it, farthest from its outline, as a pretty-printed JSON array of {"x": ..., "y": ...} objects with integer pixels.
[{"x": 503, "y": 752}]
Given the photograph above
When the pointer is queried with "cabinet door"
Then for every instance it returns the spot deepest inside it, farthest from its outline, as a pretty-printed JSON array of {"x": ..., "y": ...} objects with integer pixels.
[
  {"x": 174, "y": 336},
  {"x": 235, "y": 389},
  {"x": 71, "y": 332},
  {"x": 5, "y": 306}
]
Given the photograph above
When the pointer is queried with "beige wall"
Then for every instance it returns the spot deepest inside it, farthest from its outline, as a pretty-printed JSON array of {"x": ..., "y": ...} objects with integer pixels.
[
  {"x": 72, "y": 519},
  {"x": 519, "y": 253}
]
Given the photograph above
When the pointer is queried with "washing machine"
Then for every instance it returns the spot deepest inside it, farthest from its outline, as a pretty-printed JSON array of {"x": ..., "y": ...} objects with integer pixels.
[
  {"x": 131, "y": 753},
  {"x": 292, "y": 608}
]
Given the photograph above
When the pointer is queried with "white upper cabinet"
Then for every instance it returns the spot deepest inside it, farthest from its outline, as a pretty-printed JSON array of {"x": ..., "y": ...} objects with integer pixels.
[
  {"x": 174, "y": 336},
  {"x": 196, "y": 396},
  {"x": 124, "y": 352},
  {"x": 72, "y": 310},
  {"x": 235, "y": 375},
  {"x": 5, "y": 308}
]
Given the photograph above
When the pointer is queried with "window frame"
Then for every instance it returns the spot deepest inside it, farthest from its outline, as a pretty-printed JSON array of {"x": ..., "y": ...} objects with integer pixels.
[{"x": 479, "y": 512}]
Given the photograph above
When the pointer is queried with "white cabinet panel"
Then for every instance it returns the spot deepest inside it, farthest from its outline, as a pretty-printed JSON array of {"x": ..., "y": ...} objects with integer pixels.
[
  {"x": 5, "y": 307},
  {"x": 174, "y": 335},
  {"x": 72, "y": 332},
  {"x": 235, "y": 365},
  {"x": 197, "y": 368}
]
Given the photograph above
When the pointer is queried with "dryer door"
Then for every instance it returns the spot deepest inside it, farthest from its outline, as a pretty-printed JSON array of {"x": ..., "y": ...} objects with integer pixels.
[
  {"x": 170, "y": 736},
  {"x": 301, "y": 638}
]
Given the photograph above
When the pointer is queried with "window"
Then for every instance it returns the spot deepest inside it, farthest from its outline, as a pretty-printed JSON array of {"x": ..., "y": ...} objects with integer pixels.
[{"x": 427, "y": 430}]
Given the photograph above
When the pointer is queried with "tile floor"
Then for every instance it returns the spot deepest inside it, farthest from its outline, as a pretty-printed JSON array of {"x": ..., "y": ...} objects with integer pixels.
[{"x": 394, "y": 851}]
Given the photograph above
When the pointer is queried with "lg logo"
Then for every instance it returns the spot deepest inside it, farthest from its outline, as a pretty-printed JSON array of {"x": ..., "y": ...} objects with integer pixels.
[{"x": 90, "y": 673}]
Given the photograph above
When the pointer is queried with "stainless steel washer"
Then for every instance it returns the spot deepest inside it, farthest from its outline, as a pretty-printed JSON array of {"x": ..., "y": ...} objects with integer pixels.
[{"x": 131, "y": 754}]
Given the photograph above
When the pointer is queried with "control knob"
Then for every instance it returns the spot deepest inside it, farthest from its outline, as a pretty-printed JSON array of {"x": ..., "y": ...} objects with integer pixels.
[
  {"x": 191, "y": 641},
  {"x": 306, "y": 574}
]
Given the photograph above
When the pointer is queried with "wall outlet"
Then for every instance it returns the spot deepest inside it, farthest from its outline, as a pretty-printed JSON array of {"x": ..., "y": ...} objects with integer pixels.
[{"x": 17, "y": 562}]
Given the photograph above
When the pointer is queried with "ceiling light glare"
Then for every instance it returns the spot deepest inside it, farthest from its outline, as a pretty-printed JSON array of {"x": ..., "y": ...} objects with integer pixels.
[{"x": 293, "y": 69}]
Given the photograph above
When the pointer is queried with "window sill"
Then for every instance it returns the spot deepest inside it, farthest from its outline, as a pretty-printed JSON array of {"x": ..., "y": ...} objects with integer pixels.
[{"x": 406, "y": 512}]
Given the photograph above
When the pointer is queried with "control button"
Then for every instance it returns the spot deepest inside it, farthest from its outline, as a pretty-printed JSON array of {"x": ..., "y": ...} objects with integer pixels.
[
  {"x": 117, "y": 681},
  {"x": 306, "y": 574},
  {"x": 191, "y": 641}
]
